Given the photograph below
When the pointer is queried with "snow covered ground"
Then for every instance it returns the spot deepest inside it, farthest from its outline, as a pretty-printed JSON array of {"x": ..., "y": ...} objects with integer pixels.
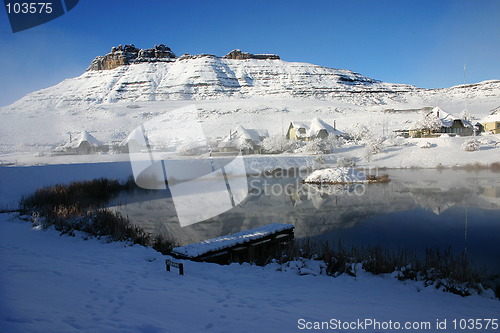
[
  {"x": 441, "y": 152},
  {"x": 40, "y": 131},
  {"x": 28, "y": 137},
  {"x": 53, "y": 283}
]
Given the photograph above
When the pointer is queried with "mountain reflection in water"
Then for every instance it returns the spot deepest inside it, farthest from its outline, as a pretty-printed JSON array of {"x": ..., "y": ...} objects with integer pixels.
[{"x": 416, "y": 209}]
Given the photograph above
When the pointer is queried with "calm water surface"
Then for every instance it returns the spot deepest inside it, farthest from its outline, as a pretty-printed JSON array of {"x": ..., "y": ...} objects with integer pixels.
[{"x": 418, "y": 209}]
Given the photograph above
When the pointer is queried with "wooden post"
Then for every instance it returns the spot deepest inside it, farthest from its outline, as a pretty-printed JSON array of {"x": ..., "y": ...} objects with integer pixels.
[{"x": 178, "y": 265}]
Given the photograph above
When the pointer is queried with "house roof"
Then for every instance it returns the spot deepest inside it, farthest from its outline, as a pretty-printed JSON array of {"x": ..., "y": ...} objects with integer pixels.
[
  {"x": 316, "y": 126},
  {"x": 297, "y": 126},
  {"x": 136, "y": 135},
  {"x": 250, "y": 134},
  {"x": 494, "y": 116},
  {"x": 242, "y": 135},
  {"x": 84, "y": 137},
  {"x": 491, "y": 118},
  {"x": 444, "y": 118}
]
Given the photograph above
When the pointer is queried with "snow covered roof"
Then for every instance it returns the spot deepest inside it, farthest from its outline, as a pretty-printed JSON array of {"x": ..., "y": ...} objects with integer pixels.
[
  {"x": 494, "y": 116},
  {"x": 223, "y": 242},
  {"x": 249, "y": 134},
  {"x": 443, "y": 118},
  {"x": 300, "y": 129},
  {"x": 84, "y": 137},
  {"x": 242, "y": 135},
  {"x": 296, "y": 125},
  {"x": 136, "y": 135},
  {"x": 263, "y": 133},
  {"x": 491, "y": 118},
  {"x": 316, "y": 126}
]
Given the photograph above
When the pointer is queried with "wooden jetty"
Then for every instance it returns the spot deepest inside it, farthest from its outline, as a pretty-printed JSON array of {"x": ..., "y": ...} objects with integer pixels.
[{"x": 255, "y": 245}]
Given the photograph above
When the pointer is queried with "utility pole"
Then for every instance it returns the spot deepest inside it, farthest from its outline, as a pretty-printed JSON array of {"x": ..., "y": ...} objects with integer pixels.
[{"x": 465, "y": 100}]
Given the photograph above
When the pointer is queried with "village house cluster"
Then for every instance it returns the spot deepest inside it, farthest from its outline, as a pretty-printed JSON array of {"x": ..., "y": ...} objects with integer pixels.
[
  {"x": 437, "y": 122},
  {"x": 434, "y": 123}
]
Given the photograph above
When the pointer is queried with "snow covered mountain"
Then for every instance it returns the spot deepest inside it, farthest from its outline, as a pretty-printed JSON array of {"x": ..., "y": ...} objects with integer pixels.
[
  {"x": 209, "y": 77},
  {"x": 128, "y": 86}
]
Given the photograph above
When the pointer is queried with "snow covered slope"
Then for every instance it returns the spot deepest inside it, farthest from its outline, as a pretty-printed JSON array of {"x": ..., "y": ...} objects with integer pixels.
[{"x": 210, "y": 77}]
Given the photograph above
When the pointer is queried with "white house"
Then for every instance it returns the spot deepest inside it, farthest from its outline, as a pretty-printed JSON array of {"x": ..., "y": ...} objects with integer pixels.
[
  {"x": 84, "y": 144},
  {"x": 317, "y": 129},
  {"x": 437, "y": 122},
  {"x": 247, "y": 141}
]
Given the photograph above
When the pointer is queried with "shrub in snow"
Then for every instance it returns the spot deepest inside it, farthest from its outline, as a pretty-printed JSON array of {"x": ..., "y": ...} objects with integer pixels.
[
  {"x": 312, "y": 147},
  {"x": 470, "y": 145},
  {"x": 428, "y": 122},
  {"x": 332, "y": 142},
  {"x": 191, "y": 149},
  {"x": 467, "y": 116},
  {"x": 319, "y": 160},
  {"x": 346, "y": 162},
  {"x": 486, "y": 141},
  {"x": 440, "y": 269},
  {"x": 70, "y": 208},
  {"x": 396, "y": 141},
  {"x": 425, "y": 145},
  {"x": 277, "y": 144},
  {"x": 362, "y": 135},
  {"x": 374, "y": 145},
  {"x": 244, "y": 146},
  {"x": 321, "y": 146},
  {"x": 359, "y": 132}
]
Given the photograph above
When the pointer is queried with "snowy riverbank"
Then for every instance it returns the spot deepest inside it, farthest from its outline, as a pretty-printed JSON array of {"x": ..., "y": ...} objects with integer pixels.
[{"x": 61, "y": 284}]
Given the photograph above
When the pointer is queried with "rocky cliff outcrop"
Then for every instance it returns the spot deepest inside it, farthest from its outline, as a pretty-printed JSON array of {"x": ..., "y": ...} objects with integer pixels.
[
  {"x": 237, "y": 54},
  {"x": 128, "y": 54}
]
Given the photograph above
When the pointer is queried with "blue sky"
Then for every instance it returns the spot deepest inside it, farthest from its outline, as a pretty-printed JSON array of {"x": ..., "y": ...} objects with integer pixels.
[{"x": 424, "y": 43}]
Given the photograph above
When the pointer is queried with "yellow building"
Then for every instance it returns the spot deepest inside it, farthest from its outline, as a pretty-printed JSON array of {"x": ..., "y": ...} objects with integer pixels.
[
  {"x": 492, "y": 122},
  {"x": 298, "y": 131}
]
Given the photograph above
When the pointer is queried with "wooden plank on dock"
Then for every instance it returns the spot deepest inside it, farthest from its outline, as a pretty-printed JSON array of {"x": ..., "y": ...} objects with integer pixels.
[{"x": 223, "y": 249}]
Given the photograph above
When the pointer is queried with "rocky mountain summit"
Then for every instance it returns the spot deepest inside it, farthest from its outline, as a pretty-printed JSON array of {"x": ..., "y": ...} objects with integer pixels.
[
  {"x": 238, "y": 55},
  {"x": 129, "y": 54}
]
